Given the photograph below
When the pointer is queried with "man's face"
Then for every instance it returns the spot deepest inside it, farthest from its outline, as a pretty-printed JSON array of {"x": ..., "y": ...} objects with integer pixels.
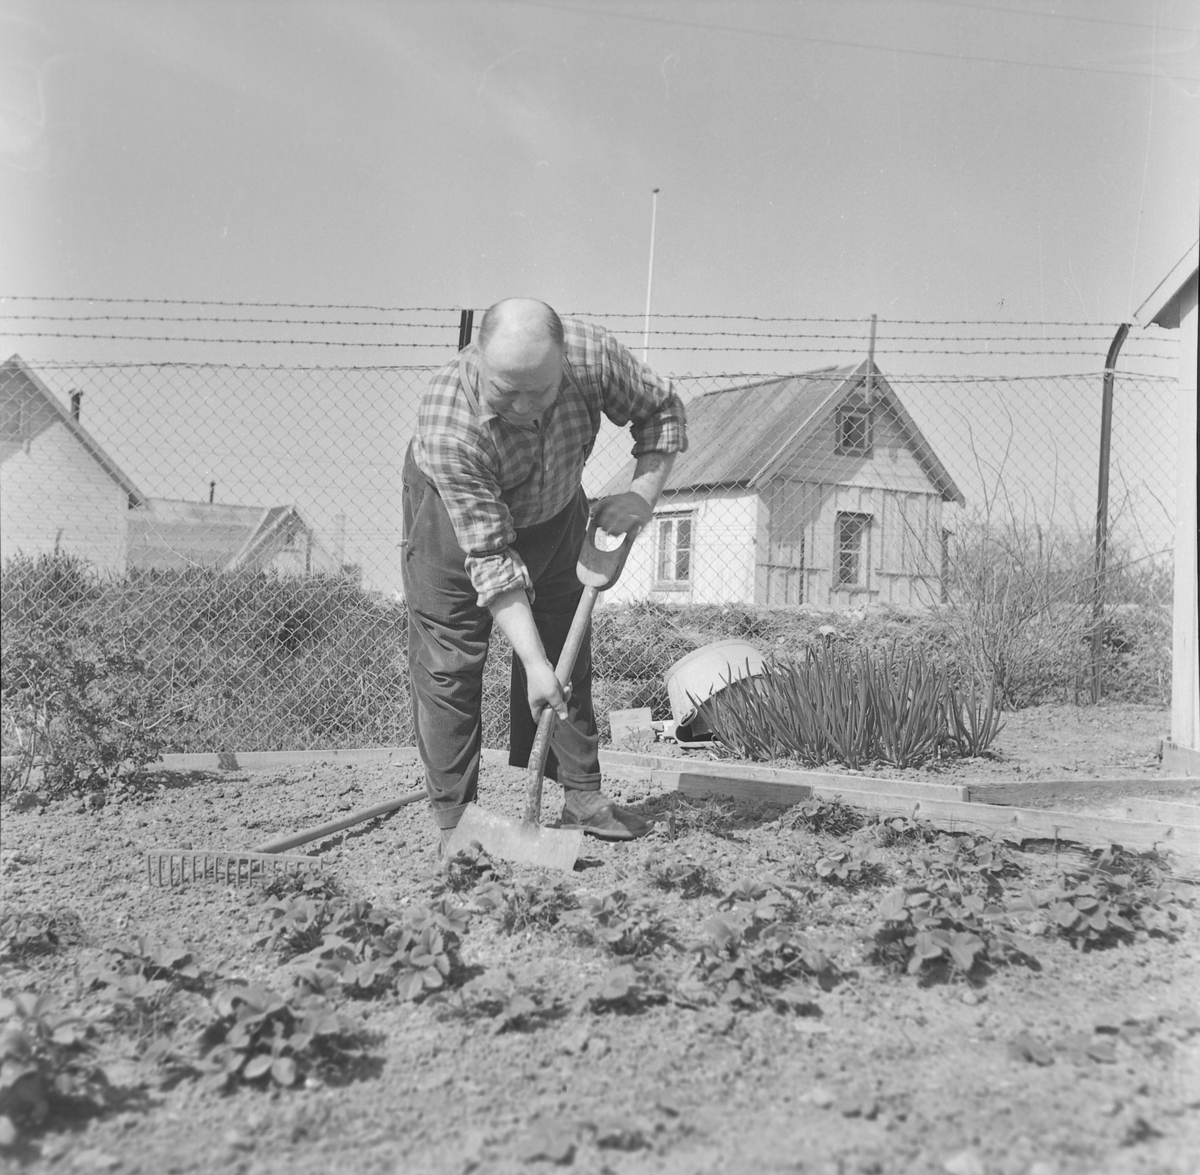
[{"x": 523, "y": 388}]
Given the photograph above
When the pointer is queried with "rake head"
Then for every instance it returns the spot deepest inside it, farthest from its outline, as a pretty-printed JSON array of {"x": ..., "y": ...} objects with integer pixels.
[{"x": 167, "y": 867}]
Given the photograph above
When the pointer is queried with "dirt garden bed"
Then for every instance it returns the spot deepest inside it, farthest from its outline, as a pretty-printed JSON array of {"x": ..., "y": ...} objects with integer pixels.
[{"x": 746, "y": 1005}]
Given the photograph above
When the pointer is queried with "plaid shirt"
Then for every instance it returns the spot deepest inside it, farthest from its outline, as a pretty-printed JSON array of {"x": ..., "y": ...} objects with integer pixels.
[{"x": 494, "y": 476}]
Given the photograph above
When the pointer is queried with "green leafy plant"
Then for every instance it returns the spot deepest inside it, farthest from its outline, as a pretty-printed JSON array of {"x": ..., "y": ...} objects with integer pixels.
[
  {"x": 975, "y": 863},
  {"x": 523, "y": 906},
  {"x": 366, "y": 951},
  {"x": 468, "y": 868},
  {"x": 139, "y": 982},
  {"x": 1108, "y": 904},
  {"x": 900, "y": 830},
  {"x": 36, "y": 932},
  {"x": 850, "y": 868},
  {"x": 753, "y": 956},
  {"x": 513, "y": 1000},
  {"x": 712, "y": 817},
  {"x": 676, "y": 873},
  {"x": 255, "y": 1035},
  {"x": 829, "y": 817},
  {"x": 46, "y": 1062},
  {"x": 922, "y": 927},
  {"x": 81, "y": 705},
  {"x": 624, "y": 925},
  {"x": 627, "y": 988}
]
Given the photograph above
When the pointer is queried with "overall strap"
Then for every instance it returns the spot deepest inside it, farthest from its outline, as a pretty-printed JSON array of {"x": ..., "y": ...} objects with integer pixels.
[{"x": 465, "y": 382}]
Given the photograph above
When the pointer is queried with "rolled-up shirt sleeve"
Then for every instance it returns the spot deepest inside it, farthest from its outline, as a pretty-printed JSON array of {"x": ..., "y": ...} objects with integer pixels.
[
  {"x": 482, "y": 524},
  {"x": 636, "y": 395}
]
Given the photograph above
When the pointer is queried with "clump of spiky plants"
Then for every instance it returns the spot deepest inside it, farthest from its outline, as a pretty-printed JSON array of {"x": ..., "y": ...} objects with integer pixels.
[{"x": 831, "y": 706}]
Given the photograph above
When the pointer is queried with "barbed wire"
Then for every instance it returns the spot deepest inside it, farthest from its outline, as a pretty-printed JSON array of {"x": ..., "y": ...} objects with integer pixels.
[
  {"x": 220, "y": 302},
  {"x": 654, "y": 333},
  {"x": 638, "y": 316},
  {"x": 289, "y": 342},
  {"x": 287, "y": 369}
]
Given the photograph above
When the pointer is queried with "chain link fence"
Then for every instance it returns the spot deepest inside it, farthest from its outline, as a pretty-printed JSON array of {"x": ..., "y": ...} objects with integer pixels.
[{"x": 235, "y": 531}]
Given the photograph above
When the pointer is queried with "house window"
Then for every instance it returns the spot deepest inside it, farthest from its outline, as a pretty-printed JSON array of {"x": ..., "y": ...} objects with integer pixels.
[
  {"x": 673, "y": 558},
  {"x": 853, "y": 550},
  {"x": 854, "y": 431}
]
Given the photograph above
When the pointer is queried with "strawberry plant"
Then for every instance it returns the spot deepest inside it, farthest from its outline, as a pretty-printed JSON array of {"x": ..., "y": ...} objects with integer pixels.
[
  {"x": 628, "y": 987},
  {"x": 752, "y": 955},
  {"x": 828, "y": 817},
  {"x": 514, "y": 1001},
  {"x": 46, "y": 1062},
  {"x": 255, "y": 1035},
  {"x": 931, "y": 925},
  {"x": 712, "y": 817},
  {"x": 851, "y": 868},
  {"x": 35, "y": 932},
  {"x": 900, "y": 830},
  {"x": 470, "y": 867},
  {"x": 522, "y": 906},
  {"x": 299, "y": 922},
  {"x": 623, "y": 925},
  {"x": 1107, "y": 905},
  {"x": 690, "y": 878},
  {"x": 365, "y": 950},
  {"x": 139, "y": 982}
]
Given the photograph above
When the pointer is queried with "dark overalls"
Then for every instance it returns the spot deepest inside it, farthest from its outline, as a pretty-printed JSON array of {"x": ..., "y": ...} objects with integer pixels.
[{"x": 448, "y": 635}]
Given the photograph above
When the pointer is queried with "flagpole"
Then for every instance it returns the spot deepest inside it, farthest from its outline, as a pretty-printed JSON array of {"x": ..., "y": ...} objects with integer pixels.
[{"x": 650, "y": 277}]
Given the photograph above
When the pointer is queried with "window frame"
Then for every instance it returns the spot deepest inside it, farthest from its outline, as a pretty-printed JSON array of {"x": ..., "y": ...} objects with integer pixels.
[
  {"x": 862, "y": 556},
  {"x": 857, "y": 411},
  {"x": 672, "y": 519}
]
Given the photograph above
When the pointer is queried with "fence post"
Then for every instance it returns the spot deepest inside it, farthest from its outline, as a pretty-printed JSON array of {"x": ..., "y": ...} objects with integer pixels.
[
  {"x": 1106, "y": 406},
  {"x": 465, "y": 321}
]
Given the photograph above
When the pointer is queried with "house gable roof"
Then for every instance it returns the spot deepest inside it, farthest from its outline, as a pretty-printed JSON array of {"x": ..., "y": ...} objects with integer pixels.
[
  {"x": 172, "y": 534},
  {"x": 1175, "y": 296},
  {"x": 739, "y": 437},
  {"x": 15, "y": 371}
]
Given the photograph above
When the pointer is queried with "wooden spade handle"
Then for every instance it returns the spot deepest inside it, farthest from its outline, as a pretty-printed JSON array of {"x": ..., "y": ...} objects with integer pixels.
[{"x": 546, "y": 723}]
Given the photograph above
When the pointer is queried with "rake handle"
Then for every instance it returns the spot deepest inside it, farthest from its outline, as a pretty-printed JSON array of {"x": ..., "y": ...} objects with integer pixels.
[
  {"x": 322, "y": 830},
  {"x": 548, "y": 719}
]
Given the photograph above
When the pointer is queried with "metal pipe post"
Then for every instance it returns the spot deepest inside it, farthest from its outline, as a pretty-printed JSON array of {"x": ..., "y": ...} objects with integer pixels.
[{"x": 1106, "y": 408}]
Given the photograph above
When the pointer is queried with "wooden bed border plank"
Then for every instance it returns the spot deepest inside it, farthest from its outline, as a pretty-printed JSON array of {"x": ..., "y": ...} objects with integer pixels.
[{"x": 1013, "y": 823}]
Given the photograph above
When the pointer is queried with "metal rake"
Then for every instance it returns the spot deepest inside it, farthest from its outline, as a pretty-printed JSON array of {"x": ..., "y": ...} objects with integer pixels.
[{"x": 166, "y": 867}]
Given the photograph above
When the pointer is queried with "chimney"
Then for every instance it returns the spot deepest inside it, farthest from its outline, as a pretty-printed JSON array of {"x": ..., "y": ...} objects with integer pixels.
[
  {"x": 76, "y": 401},
  {"x": 212, "y": 491}
]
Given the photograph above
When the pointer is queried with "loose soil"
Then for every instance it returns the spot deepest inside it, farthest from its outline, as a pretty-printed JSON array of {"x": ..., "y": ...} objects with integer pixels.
[{"x": 881, "y": 1073}]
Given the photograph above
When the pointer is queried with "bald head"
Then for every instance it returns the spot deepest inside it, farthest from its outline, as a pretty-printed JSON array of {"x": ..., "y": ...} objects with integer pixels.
[
  {"x": 515, "y": 319},
  {"x": 521, "y": 345}
]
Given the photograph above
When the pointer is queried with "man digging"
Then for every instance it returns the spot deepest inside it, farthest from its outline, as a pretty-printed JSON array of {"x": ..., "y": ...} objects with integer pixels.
[{"x": 494, "y": 519}]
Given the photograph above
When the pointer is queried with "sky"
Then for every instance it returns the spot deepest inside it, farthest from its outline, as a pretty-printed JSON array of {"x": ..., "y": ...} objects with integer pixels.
[
  {"x": 910, "y": 158},
  {"x": 927, "y": 161}
]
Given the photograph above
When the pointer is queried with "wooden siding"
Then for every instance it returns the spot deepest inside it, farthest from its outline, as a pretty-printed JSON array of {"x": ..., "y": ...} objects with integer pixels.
[
  {"x": 891, "y": 464},
  {"x": 799, "y": 522}
]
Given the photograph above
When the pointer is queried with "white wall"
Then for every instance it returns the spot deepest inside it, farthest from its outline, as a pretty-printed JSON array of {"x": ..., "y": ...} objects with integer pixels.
[
  {"x": 55, "y": 494},
  {"x": 1185, "y": 665},
  {"x": 723, "y": 552}
]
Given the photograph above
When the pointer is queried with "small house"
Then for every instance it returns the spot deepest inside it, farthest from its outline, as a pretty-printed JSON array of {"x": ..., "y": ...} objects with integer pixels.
[
  {"x": 59, "y": 490},
  {"x": 806, "y": 489},
  {"x": 168, "y": 534}
]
